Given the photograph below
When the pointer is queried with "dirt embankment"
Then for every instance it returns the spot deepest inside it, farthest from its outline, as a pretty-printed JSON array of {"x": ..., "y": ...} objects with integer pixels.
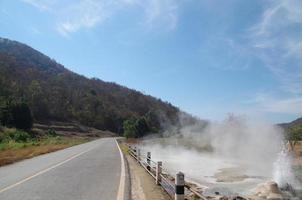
[
  {"x": 29, "y": 150},
  {"x": 48, "y": 138},
  {"x": 298, "y": 154},
  {"x": 70, "y": 129}
]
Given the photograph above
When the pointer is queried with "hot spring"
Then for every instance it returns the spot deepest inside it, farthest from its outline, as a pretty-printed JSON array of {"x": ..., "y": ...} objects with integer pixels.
[{"x": 231, "y": 157}]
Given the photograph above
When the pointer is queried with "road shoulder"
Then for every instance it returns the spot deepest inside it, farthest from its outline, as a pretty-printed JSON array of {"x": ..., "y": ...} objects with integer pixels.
[{"x": 143, "y": 186}]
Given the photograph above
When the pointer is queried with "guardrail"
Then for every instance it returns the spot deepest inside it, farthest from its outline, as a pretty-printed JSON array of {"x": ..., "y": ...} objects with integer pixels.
[{"x": 177, "y": 189}]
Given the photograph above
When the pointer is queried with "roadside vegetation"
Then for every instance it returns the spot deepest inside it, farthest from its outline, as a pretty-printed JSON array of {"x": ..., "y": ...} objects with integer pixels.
[
  {"x": 16, "y": 145},
  {"x": 17, "y": 139},
  {"x": 293, "y": 131},
  {"x": 139, "y": 127},
  {"x": 294, "y": 135}
]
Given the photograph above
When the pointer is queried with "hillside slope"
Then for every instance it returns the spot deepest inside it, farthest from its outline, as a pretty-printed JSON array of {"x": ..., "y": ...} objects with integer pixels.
[
  {"x": 293, "y": 129},
  {"x": 56, "y": 93},
  {"x": 297, "y": 122}
]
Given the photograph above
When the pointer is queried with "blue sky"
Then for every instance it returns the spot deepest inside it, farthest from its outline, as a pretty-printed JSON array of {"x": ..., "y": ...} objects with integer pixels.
[{"x": 208, "y": 57}]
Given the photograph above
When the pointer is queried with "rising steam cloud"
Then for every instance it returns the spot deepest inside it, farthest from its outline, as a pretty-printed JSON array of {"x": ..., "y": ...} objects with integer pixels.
[
  {"x": 201, "y": 149},
  {"x": 250, "y": 142}
]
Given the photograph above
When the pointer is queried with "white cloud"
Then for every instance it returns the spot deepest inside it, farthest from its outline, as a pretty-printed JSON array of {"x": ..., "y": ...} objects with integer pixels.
[
  {"x": 73, "y": 16},
  {"x": 83, "y": 15},
  {"x": 232, "y": 55},
  {"x": 288, "y": 106},
  {"x": 4, "y": 16},
  {"x": 163, "y": 11},
  {"x": 277, "y": 39},
  {"x": 266, "y": 102},
  {"x": 41, "y": 5},
  {"x": 34, "y": 30}
]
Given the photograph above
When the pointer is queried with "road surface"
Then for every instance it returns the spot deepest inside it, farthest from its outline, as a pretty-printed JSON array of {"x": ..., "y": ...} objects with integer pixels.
[{"x": 89, "y": 171}]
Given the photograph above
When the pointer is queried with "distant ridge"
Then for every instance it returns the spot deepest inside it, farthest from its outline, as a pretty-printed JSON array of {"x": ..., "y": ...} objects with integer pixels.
[
  {"x": 297, "y": 122},
  {"x": 293, "y": 129}
]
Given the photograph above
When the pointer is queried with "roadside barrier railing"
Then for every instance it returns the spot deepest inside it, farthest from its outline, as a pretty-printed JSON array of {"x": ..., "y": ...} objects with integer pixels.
[{"x": 177, "y": 189}]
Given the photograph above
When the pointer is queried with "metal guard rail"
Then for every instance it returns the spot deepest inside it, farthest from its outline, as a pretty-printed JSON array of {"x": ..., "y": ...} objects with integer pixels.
[{"x": 167, "y": 184}]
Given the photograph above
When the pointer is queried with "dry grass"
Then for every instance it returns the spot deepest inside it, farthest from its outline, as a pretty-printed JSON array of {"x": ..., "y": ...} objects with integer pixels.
[
  {"x": 13, "y": 155},
  {"x": 132, "y": 141},
  {"x": 14, "y": 152},
  {"x": 298, "y": 148},
  {"x": 123, "y": 147},
  {"x": 298, "y": 153}
]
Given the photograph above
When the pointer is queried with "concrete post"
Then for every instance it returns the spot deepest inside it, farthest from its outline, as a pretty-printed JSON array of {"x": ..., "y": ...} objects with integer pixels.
[
  {"x": 180, "y": 186},
  {"x": 158, "y": 172},
  {"x": 135, "y": 152},
  {"x": 138, "y": 155},
  {"x": 149, "y": 161}
]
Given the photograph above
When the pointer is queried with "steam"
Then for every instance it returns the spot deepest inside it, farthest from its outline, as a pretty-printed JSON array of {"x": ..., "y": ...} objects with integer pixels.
[
  {"x": 282, "y": 171},
  {"x": 204, "y": 149},
  {"x": 252, "y": 143}
]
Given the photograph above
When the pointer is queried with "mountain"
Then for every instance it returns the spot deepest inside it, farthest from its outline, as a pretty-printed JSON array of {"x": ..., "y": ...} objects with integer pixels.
[
  {"x": 297, "y": 122},
  {"x": 55, "y": 93},
  {"x": 293, "y": 129}
]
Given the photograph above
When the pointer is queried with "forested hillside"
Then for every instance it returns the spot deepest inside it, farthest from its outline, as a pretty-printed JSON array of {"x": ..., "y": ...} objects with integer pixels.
[
  {"x": 53, "y": 92},
  {"x": 293, "y": 129}
]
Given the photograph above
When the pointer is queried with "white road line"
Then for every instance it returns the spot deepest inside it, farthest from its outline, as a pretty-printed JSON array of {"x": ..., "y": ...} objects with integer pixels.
[
  {"x": 43, "y": 171},
  {"x": 121, "y": 189}
]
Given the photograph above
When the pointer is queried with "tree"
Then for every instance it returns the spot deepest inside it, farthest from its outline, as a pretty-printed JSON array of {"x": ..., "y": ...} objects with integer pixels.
[
  {"x": 6, "y": 116},
  {"x": 141, "y": 127},
  {"x": 22, "y": 117},
  {"x": 293, "y": 136},
  {"x": 15, "y": 114},
  {"x": 37, "y": 101},
  {"x": 153, "y": 122},
  {"x": 136, "y": 127},
  {"x": 54, "y": 93},
  {"x": 129, "y": 127}
]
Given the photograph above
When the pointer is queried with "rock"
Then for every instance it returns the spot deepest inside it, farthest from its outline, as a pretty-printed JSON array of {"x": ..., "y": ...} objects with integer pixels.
[
  {"x": 231, "y": 198},
  {"x": 239, "y": 198},
  {"x": 273, "y": 187},
  {"x": 269, "y": 190},
  {"x": 274, "y": 196},
  {"x": 289, "y": 189},
  {"x": 192, "y": 195},
  {"x": 219, "y": 192}
]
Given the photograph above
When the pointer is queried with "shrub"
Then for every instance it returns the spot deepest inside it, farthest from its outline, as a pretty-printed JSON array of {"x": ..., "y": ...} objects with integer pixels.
[
  {"x": 51, "y": 132},
  {"x": 129, "y": 128},
  {"x": 16, "y": 114},
  {"x": 22, "y": 116},
  {"x": 142, "y": 127},
  {"x": 135, "y": 128},
  {"x": 19, "y": 136},
  {"x": 4, "y": 137}
]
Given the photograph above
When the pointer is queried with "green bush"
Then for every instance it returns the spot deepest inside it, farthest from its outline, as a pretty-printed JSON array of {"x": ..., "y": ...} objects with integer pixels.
[
  {"x": 129, "y": 128},
  {"x": 19, "y": 136},
  {"x": 16, "y": 114},
  {"x": 135, "y": 128},
  {"x": 4, "y": 137},
  {"x": 294, "y": 134},
  {"x": 51, "y": 132},
  {"x": 22, "y": 117}
]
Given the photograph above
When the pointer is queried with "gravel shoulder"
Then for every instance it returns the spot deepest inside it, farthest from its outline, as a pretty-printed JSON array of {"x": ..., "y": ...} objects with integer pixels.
[{"x": 143, "y": 186}]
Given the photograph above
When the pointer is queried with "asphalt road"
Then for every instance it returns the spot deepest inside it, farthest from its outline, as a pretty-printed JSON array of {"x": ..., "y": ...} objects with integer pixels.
[{"x": 90, "y": 171}]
